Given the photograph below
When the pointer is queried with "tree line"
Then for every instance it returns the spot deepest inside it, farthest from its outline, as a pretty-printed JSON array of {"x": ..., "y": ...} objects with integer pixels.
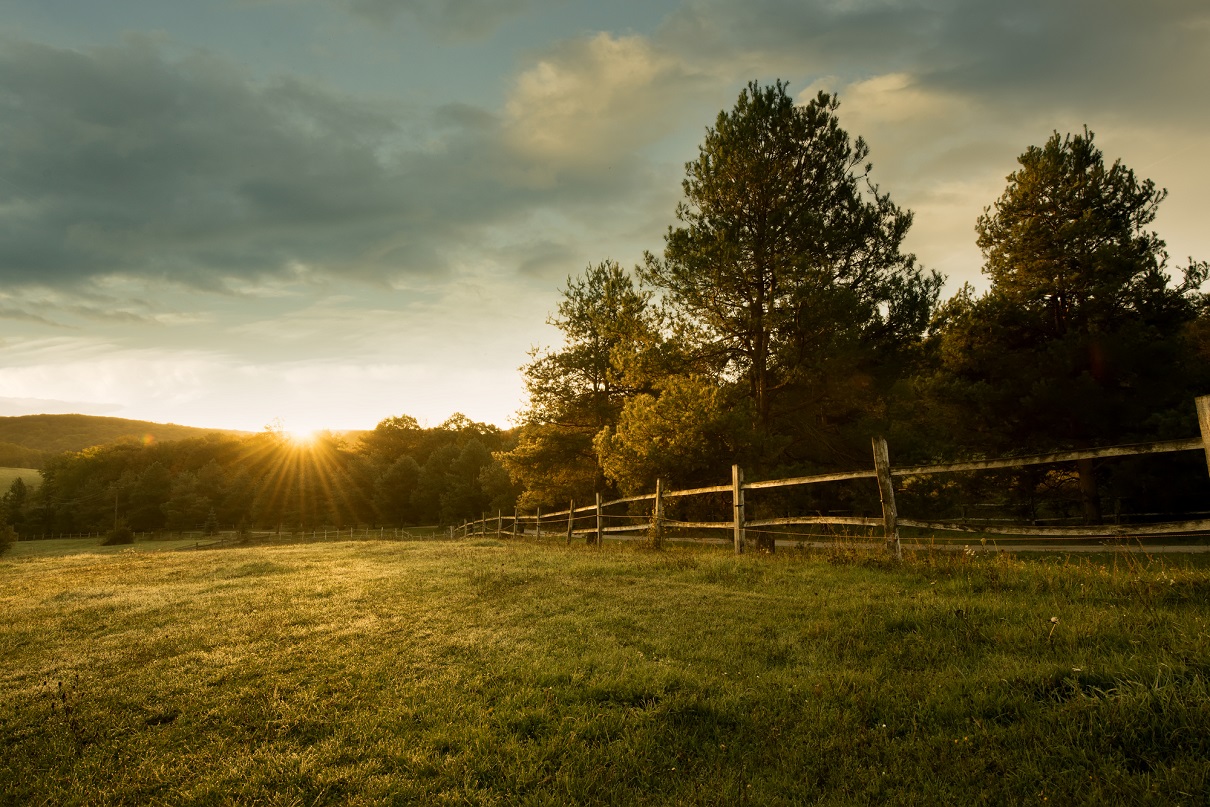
[
  {"x": 784, "y": 323},
  {"x": 781, "y": 326},
  {"x": 398, "y": 474}
]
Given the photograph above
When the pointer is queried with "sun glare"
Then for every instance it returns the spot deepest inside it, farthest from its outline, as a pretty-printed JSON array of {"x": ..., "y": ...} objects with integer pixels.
[{"x": 302, "y": 437}]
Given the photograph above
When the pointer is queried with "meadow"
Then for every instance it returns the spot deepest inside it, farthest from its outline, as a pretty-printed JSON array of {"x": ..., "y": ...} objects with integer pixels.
[
  {"x": 30, "y": 476},
  {"x": 493, "y": 672}
]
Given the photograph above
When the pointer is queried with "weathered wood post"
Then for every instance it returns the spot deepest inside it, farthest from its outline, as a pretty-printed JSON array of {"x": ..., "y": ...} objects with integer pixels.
[
  {"x": 571, "y": 520},
  {"x": 886, "y": 489},
  {"x": 657, "y": 516},
  {"x": 737, "y": 499},
  {"x": 538, "y": 522},
  {"x": 499, "y": 524},
  {"x": 1203, "y": 420},
  {"x": 482, "y": 523},
  {"x": 600, "y": 522},
  {"x": 515, "y": 513}
]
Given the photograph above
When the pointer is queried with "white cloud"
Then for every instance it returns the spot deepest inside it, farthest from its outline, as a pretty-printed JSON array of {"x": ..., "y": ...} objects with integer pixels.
[{"x": 598, "y": 98}]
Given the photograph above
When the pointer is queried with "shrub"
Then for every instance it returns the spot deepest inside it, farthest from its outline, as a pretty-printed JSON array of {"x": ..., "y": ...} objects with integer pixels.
[
  {"x": 8, "y": 537},
  {"x": 118, "y": 535}
]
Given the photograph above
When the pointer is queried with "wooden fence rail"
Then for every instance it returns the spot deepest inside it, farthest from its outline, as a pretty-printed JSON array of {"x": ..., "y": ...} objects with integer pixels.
[{"x": 883, "y": 472}]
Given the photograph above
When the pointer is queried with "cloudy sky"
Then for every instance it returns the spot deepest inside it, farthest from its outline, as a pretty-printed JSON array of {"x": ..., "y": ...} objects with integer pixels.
[{"x": 222, "y": 212}]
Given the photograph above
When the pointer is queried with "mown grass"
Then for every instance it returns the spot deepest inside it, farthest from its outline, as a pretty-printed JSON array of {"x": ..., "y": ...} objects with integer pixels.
[{"x": 487, "y": 672}]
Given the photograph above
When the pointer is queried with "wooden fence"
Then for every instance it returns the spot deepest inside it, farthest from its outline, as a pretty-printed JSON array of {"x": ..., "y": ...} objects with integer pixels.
[{"x": 566, "y": 522}]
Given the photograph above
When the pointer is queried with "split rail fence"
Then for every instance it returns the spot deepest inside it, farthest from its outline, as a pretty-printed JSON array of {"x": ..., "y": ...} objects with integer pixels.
[{"x": 565, "y": 522}]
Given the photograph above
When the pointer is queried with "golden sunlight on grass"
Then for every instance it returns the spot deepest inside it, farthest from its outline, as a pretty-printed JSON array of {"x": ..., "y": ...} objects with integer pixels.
[{"x": 486, "y": 672}]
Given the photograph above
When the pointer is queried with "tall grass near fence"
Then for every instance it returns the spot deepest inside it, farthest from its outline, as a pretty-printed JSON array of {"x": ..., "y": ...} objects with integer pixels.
[{"x": 502, "y": 673}]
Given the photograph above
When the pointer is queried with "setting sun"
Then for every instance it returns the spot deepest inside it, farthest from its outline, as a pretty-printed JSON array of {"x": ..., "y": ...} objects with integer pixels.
[{"x": 301, "y": 437}]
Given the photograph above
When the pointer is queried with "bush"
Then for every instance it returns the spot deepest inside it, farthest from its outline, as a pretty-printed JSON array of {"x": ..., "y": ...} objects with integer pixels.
[
  {"x": 8, "y": 537},
  {"x": 118, "y": 535}
]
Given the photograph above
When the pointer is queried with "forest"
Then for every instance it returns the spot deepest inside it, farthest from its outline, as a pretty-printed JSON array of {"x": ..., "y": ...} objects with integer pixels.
[{"x": 782, "y": 324}]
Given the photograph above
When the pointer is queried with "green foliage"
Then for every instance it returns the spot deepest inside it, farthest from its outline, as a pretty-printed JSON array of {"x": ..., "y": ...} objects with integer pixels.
[
  {"x": 686, "y": 435},
  {"x": 8, "y": 537},
  {"x": 211, "y": 525},
  {"x": 267, "y": 481},
  {"x": 611, "y": 345},
  {"x": 118, "y": 536},
  {"x": 394, "y": 438},
  {"x": 1068, "y": 244},
  {"x": 553, "y": 464},
  {"x": 1081, "y": 337},
  {"x": 500, "y": 673},
  {"x": 14, "y": 503},
  {"x": 53, "y": 434},
  {"x": 149, "y": 492},
  {"x": 789, "y": 270},
  {"x": 394, "y": 489},
  {"x": 17, "y": 456}
]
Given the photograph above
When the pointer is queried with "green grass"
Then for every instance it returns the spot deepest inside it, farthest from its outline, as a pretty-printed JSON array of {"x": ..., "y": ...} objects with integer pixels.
[
  {"x": 32, "y": 477},
  {"x": 487, "y": 672}
]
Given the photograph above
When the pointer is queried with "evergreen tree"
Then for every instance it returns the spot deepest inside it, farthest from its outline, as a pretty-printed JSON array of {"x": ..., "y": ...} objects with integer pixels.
[
  {"x": 1082, "y": 338},
  {"x": 789, "y": 270}
]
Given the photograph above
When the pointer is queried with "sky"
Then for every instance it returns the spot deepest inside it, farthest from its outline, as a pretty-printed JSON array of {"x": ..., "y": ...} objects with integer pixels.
[{"x": 323, "y": 213}]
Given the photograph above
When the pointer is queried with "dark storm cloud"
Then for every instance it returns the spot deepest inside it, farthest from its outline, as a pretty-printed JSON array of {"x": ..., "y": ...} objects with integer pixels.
[
  {"x": 1138, "y": 59},
  {"x": 128, "y": 163},
  {"x": 1091, "y": 54},
  {"x": 455, "y": 20},
  {"x": 118, "y": 160}
]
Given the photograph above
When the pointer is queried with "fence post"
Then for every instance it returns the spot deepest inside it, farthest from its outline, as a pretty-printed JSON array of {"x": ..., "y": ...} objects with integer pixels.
[
  {"x": 886, "y": 489},
  {"x": 499, "y": 524},
  {"x": 571, "y": 520},
  {"x": 515, "y": 512},
  {"x": 1203, "y": 421},
  {"x": 538, "y": 522},
  {"x": 657, "y": 516},
  {"x": 737, "y": 498},
  {"x": 600, "y": 521}
]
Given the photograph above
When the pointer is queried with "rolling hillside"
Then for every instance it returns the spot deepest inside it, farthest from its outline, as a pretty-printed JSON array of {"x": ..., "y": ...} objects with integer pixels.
[{"x": 26, "y": 441}]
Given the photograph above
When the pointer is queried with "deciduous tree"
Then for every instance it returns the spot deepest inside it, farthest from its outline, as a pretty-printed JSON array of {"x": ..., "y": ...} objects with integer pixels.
[{"x": 607, "y": 325}]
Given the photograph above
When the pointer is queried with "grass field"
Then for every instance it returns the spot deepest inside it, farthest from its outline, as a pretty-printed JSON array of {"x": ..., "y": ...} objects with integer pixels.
[
  {"x": 32, "y": 477},
  {"x": 480, "y": 672}
]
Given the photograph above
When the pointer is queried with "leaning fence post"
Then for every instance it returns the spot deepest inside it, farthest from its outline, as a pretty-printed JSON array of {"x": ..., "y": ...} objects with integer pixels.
[
  {"x": 886, "y": 489},
  {"x": 737, "y": 499},
  {"x": 571, "y": 520},
  {"x": 1203, "y": 421},
  {"x": 600, "y": 521}
]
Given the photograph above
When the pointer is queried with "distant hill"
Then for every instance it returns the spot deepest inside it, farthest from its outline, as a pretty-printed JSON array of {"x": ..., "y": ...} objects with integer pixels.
[{"x": 27, "y": 441}]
